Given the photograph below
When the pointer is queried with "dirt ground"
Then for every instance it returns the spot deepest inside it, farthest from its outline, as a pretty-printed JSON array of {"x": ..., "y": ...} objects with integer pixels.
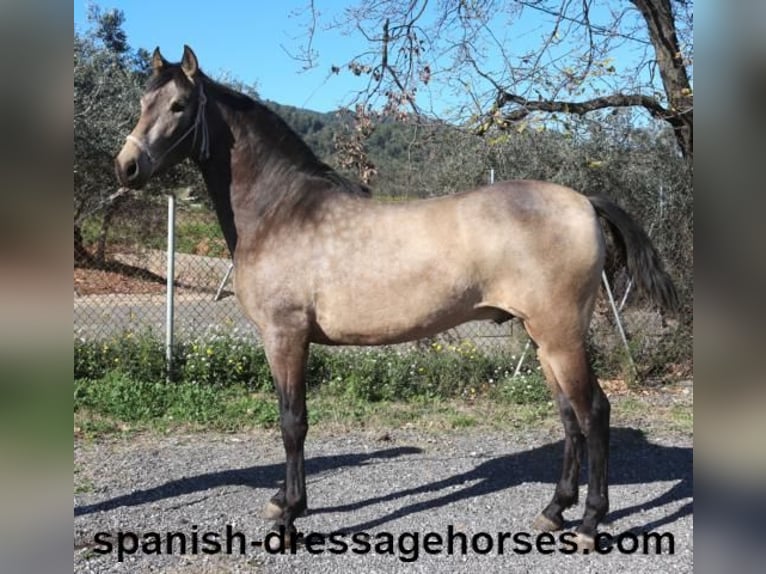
[{"x": 98, "y": 282}]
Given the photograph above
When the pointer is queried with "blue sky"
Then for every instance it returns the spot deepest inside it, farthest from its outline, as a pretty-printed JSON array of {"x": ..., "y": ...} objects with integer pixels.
[
  {"x": 241, "y": 39},
  {"x": 246, "y": 40}
]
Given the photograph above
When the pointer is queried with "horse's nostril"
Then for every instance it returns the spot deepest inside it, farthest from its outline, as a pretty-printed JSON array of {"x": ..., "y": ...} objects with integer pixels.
[{"x": 131, "y": 170}]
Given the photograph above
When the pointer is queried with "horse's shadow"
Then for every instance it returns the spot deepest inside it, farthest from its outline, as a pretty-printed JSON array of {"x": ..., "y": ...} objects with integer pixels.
[
  {"x": 268, "y": 476},
  {"x": 633, "y": 460}
]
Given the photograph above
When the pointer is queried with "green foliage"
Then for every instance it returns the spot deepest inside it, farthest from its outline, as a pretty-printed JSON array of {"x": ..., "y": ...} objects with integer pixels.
[
  {"x": 131, "y": 400},
  {"x": 142, "y": 223},
  {"x": 397, "y": 374},
  {"x": 199, "y": 230},
  {"x": 105, "y": 92},
  {"x": 109, "y": 29},
  {"x": 108, "y": 83},
  {"x": 459, "y": 421},
  {"x": 224, "y": 380},
  {"x": 140, "y": 356},
  {"x": 222, "y": 360},
  {"x": 526, "y": 389},
  {"x": 370, "y": 374}
]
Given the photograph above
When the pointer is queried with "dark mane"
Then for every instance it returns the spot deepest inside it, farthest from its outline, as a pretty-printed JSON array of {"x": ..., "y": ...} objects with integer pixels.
[
  {"x": 291, "y": 178},
  {"x": 281, "y": 137}
]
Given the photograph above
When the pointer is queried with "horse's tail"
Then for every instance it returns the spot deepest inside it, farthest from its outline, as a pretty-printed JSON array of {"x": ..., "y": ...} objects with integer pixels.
[{"x": 641, "y": 258}]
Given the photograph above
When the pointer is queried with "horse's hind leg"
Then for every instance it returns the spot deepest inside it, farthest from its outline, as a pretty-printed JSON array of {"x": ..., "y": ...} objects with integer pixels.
[
  {"x": 597, "y": 501},
  {"x": 585, "y": 412},
  {"x": 566, "y": 491}
]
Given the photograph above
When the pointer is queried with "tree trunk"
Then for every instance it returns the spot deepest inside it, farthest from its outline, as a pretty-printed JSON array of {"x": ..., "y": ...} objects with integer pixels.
[
  {"x": 658, "y": 15},
  {"x": 81, "y": 255},
  {"x": 106, "y": 223}
]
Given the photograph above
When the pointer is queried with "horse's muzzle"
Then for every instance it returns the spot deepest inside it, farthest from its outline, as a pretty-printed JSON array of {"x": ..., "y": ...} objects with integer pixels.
[{"x": 132, "y": 167}]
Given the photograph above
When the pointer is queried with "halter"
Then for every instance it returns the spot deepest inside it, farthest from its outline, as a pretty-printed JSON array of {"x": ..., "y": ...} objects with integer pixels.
[{"x": 200, "y": 124}]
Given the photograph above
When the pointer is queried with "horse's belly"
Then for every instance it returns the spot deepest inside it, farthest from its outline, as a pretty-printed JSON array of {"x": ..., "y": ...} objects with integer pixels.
[{"x": 378, "y": 320}]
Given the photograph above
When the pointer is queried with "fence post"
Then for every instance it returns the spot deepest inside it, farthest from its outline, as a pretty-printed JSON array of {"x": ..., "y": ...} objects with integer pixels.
[
  {"x": 218, "y": 293},
  {"x": 170, "y": 287},
  {"x": 619, "y": 322}
]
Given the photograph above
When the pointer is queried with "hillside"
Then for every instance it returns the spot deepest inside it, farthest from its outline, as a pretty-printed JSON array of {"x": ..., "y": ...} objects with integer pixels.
[{"x": 397, "y": 150}]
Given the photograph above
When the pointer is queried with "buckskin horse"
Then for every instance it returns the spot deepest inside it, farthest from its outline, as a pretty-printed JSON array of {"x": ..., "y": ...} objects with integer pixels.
[{"x": 317, "y": 260}]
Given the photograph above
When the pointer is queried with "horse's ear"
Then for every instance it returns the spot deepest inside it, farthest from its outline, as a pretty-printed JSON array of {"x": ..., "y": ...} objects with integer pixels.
[
  {"x": 189, "y": 63},
  {"x": 158, "y": 62}
]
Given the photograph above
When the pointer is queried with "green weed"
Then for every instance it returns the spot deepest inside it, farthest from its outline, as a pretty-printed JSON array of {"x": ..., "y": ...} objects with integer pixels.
[{"x": 222, "y": 381}]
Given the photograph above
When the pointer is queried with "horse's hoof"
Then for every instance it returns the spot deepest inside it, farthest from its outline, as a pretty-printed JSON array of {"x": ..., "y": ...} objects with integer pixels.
[
  {"x": 272, "y": 511},
  {"x": 278, "y": 542},
  {"x": 281, "y": 540},
  {"x": 545, "y": 524},
  {"x": 585, "y": 543},
  {"x": 274, "y": 545}
]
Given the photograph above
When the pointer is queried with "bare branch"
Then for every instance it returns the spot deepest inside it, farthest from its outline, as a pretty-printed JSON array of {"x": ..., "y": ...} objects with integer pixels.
[
  {"x": 307, "y": 54},
  {"x": 596, "y": 29},
  {"x": 652, "y": 105},
  {"x": 591, "y": 45}
]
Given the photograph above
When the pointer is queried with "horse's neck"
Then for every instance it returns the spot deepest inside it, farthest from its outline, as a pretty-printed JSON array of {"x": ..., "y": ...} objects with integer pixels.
[
  {"x": 218, "y": 184},
  {"x": 243, "y": 181},
  {"x": 231, "y": 177}
]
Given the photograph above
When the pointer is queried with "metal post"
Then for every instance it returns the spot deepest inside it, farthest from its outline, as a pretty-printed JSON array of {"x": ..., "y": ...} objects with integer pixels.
[
  {"x": 619, "y": 322},
  {"x": 169, "y": 289},
  {"x": 218, "y": 293},
  {"x": 521, "y": 359},
  {"x": 491, "y": 175}
]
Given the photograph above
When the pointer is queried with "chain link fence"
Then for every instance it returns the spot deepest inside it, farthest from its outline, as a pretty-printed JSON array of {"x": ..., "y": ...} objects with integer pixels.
[{"x": 122, "y": 285}]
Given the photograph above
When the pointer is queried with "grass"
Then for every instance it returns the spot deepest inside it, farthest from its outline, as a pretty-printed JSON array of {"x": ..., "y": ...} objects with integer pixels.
[
  {"x": 191, "y": 235},
  {"x": 81, "y": 484},
  {"x": 682, "y": 418},
  {"x": 119, "y": 403},
  {"x": 117, "y": 412},
  {"x": 223, "y": 383}
]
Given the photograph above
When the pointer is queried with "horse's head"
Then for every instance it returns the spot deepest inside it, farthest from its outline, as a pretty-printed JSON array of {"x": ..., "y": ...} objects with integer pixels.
[{"x": 172, "y": 125}]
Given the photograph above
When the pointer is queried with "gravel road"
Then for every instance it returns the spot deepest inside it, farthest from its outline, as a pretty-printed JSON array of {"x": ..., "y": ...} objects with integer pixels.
[{"x": 406, "y": 483}]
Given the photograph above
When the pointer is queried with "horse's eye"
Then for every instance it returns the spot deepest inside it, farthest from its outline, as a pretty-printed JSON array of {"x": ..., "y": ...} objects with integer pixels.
[{"x": 177, "y": 107}]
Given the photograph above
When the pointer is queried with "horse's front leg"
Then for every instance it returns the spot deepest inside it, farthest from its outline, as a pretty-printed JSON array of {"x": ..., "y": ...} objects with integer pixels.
[{"x": 287, "y": 353}]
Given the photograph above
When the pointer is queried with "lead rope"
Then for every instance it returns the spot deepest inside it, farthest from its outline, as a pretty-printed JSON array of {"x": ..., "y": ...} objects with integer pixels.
[{"x": 201, "y": 120}]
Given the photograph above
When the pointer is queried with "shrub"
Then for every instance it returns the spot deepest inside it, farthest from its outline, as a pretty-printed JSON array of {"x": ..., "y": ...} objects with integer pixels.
[
  {"x": 373, "y": 374},
  {"x": 140, "y": 356},
  {"x": 526, "y": 389},
  {"x": 222, "y": 359}
]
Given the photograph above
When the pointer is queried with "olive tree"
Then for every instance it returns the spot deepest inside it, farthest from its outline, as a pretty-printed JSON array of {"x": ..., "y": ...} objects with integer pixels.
[{"x": 106, "y": 89}]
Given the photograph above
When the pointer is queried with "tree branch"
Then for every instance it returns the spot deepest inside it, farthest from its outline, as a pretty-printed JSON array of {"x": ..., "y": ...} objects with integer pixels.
[
  {"x": 652, "y": 105},
  {"x": 307, "y": 54},
  {"x": 386, "y": 67},
  {"x": 600, "y": 30}
]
